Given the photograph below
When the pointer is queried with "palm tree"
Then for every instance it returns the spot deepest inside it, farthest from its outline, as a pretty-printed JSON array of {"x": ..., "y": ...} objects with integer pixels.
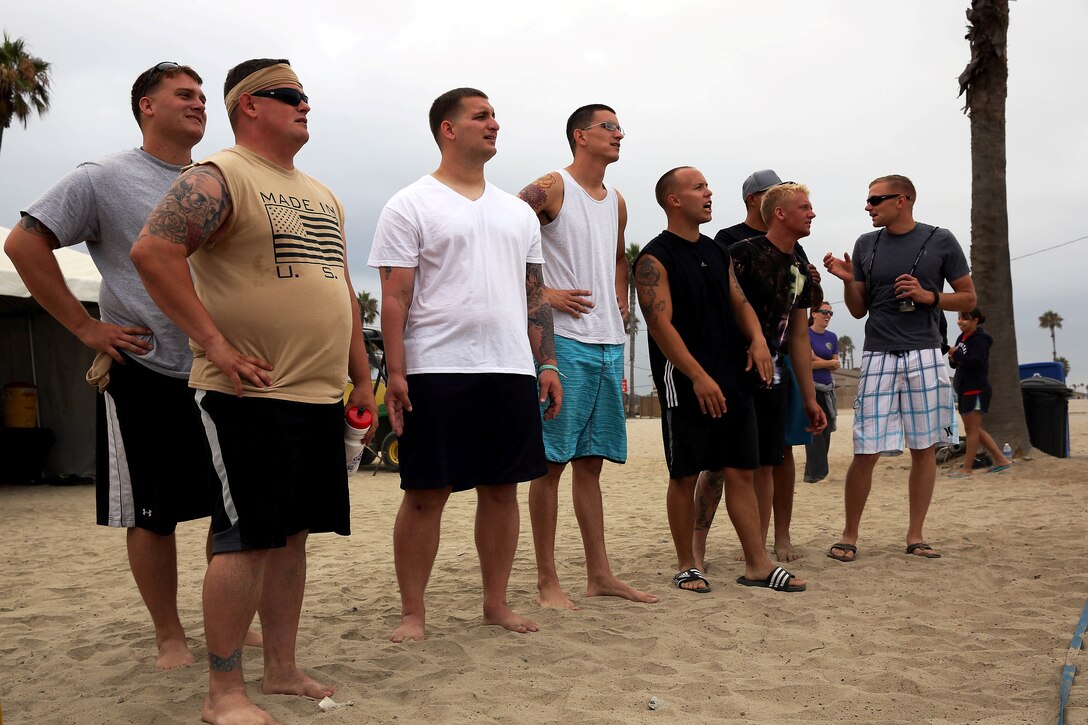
[
  {"x": 846, "y": 352},
  {"x": 1051, "y": 319},
  {"x": 1065, "y": 365},
  {"x": 368, "y": 307},
  {"x": 984, "y": 83},
  {"x": 630, "y": 325},
  {"x": 24, "y": 84}
]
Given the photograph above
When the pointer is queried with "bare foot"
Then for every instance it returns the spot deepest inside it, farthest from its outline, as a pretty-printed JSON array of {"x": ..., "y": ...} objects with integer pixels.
[
  {"x": 785, "y": 552},
  {"x": 506, "y": 617},
  {"x": 293, "y": 681},
  {"x": 234, "y": 708},
  {"x": 253, "y": 638},
  {"x": 410, "y": 630},
  {"x": 173, "y": 654},
  {"x": 551, "y": 595},
  {"x": 613, "y": 587}
]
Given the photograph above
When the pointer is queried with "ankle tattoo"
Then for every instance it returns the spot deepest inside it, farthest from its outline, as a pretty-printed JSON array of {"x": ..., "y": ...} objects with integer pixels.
[{"x": 225, "y": 664}]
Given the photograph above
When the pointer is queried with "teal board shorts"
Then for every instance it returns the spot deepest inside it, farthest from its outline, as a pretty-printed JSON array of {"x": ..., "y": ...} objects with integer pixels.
[{"x": 591, "y": 423}]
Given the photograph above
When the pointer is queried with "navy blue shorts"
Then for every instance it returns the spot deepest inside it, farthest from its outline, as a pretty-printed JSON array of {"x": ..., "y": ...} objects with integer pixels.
[
  {"x": 471, "y": 429},
  {"x": 697, "y": 442},
  {"x": 974, "y": 402},
  {"x": 281, "y": 468}
]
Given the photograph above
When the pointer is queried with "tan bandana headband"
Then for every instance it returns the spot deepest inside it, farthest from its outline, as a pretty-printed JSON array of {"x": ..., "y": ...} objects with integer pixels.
[{"x": 271, "y": 77}]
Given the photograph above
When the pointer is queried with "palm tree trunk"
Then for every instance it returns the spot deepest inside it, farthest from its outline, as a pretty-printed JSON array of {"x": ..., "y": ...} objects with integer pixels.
[
  {"x": 1053, "y": 346},
  {"x": 985, "y": 81}
]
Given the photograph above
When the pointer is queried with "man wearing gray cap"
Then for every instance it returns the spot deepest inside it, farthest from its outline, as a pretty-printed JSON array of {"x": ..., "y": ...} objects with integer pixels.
[{"x": 779, "y": 495}]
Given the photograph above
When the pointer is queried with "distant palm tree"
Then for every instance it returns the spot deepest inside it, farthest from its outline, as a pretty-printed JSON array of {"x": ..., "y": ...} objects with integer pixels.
[
  {"x": 1051, "y": 319},
  {"x": 630, "y": 325},
  {"x": 1065, "y": 366},
  {"x": 846, "y": 352},
  {"x": 24, "y": 84},
  {"x": 368, "y": 307}
]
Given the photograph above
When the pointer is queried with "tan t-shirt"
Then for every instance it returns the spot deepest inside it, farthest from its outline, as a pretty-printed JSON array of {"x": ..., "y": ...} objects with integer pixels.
[{"x": 272, "y": 278}]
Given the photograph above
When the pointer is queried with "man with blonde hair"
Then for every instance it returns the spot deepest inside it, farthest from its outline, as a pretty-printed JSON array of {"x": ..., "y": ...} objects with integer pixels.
[
  {"x": 275, "y": 330},
  {"x": 895, "y": 275}
]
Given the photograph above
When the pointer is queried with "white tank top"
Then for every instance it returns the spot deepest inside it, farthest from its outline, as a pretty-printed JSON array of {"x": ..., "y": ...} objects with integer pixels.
[{"x": 580, "y": 253}]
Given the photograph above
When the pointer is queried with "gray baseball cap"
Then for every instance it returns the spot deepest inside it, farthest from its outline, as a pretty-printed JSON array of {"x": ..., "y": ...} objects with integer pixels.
[{"x": 758, "y": 182}]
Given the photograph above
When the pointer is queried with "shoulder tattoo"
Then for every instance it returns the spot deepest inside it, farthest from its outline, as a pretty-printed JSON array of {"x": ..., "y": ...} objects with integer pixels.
[{"x": 193, "y": 209}]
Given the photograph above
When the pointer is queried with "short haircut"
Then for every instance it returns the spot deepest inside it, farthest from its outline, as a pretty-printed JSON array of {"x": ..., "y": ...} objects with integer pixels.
[
  {"x": 665, "y": 185},
  {"x": 777, "y": 196},
  {"x": 449, "y": 104},
  {"x": 975, "y": 314},
  {"x": 246, "y": 68},
  {"x": 899, "y": 183},
  {"x": 138, "y": 90},
  {"x": 581, "y": 118}
]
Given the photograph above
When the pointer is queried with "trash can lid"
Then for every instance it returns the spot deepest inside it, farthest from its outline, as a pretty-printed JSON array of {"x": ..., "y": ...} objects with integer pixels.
[{"x": 1041, "y": 384}]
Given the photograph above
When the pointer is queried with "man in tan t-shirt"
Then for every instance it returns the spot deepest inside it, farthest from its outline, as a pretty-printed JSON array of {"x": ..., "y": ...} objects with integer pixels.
[{"x": 275, "y": 332}]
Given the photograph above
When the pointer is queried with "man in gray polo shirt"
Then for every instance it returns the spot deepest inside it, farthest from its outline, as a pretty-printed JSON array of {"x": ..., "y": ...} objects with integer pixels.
[{"x": 153, "y": 465}]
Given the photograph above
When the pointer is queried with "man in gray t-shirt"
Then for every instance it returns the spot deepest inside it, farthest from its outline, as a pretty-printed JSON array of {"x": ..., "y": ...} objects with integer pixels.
[
  {"x": 896, "y": 276},
  {"x": 153, "y": 464}
]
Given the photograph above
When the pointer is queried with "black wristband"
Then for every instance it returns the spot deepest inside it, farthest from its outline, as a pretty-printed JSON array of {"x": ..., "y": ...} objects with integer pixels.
[{"x": 936, "y": 299}]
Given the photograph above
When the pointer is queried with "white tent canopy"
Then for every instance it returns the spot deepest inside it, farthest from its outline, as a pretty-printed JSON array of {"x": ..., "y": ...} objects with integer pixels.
[{"x": 38, "y": 350}]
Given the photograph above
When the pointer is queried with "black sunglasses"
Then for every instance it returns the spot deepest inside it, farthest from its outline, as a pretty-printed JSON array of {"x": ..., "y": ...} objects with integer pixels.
[
  {"x": 290, "y": 96},
  {"x": 874, "y": 200},
  {"x": 158, "y": 69}
]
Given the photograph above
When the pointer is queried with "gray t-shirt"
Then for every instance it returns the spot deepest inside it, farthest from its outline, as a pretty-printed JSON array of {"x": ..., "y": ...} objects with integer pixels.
[
  {"x": 942, "y": 259},
  {"x": 106, "y": 203}
]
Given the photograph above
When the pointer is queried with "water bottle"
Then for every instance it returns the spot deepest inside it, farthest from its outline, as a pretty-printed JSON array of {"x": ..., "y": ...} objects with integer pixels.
[
  {"x": 1007, "y": 451},
  {"x": 356, "y": 424}
]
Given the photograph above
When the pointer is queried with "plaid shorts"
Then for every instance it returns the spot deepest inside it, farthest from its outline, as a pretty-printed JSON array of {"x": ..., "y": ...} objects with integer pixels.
[{"x": 903, "y": 397}]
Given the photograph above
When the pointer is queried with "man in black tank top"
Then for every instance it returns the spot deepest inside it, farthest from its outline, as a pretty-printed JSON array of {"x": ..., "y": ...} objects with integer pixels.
[{"x": 699, "y": 320}]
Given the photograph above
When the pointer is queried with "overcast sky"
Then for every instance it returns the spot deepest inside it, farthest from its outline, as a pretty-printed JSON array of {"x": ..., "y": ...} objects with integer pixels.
[{"x": 831, "y": 94}]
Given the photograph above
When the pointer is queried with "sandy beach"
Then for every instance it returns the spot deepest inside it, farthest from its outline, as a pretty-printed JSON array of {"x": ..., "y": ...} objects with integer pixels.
[{"x": 978, "y": 636}]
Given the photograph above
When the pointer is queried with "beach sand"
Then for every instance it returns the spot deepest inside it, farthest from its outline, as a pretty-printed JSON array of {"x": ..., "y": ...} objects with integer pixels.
[{"x": 978, "y": 636}]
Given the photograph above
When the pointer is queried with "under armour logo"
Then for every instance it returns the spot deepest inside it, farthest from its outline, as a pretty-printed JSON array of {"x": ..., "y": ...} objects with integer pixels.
[
  {"x": 147, "y": 512},
  {"x": 702, "y": 264}
]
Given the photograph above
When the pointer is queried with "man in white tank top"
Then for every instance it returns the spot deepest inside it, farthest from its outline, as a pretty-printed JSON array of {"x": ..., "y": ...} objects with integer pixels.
[{"x": 585, "y": 272}]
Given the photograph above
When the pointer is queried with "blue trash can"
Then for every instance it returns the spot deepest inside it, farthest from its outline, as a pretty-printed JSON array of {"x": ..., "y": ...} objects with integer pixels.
[
  {"x": 1053, "y": 370},
  {"x": 1046, "y": 409}
]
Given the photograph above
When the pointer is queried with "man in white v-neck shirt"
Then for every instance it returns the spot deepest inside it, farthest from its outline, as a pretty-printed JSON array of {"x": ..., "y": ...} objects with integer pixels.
[
  {"x": 460, "y": 264},
  {"x": 582, "y": 220}
]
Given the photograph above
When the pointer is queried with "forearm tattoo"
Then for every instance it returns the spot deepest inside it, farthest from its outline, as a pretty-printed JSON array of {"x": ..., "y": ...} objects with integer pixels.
[
  {"x": 540, "y": 313},
  {"x": 225, "y": 664},
  {"x": 192, "y": 210},
  {"x": 647, "y": 280}
]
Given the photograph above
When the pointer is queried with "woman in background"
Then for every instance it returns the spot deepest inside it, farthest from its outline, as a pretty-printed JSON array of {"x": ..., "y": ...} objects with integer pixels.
[
  {"x": 825, "y": 358},
  {"x": 970, "y": 356}
]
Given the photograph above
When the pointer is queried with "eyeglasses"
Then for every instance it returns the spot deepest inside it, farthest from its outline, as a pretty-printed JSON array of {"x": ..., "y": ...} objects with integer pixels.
[
  {"x": 290, "y": 96},
  {"x": 158, "y": 69},
  {"x": 826, "y": 313},
  {"x": 608, "y": 126},
  {"x": 874, "y": 200}
]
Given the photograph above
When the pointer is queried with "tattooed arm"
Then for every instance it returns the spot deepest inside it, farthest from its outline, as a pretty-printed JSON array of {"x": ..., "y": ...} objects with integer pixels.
[
  {"x": 398, "y": 284},
  {"x": 542, "y": 339},
  {"x": 30, "y": 246},
  {"x": 545, "y": 196},
  {"x": 759, "y": 355},
  {"x": 655, "y": 301},
  {"x": 187, "y": 217}
]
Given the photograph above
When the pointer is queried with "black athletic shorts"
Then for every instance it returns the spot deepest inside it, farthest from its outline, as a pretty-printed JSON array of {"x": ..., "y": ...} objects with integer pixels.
[
  {"x": 975, "y": 402},
  {"x": 281, "y": 469},
  {"x": 152, "y": 467},
  {"x": 471, "y": 429},
  {"x": 770, "y": 405},
  {"x": 696, "y": 442}
]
